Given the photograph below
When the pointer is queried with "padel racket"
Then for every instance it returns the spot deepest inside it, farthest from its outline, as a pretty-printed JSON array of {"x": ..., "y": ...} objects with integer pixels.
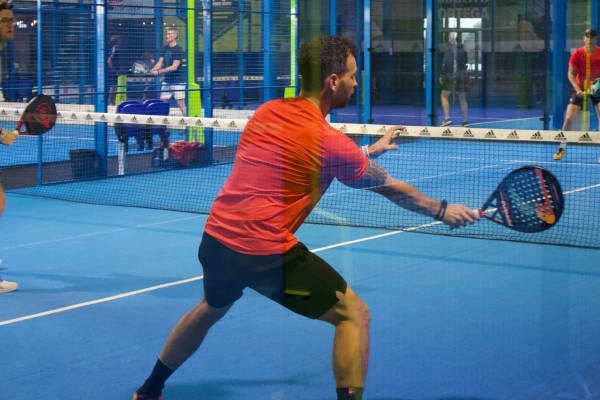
[
  {"x": 594, "y": 89},
  {"x": 529, "y": 199},
  {"x": 39, "y": 116}
]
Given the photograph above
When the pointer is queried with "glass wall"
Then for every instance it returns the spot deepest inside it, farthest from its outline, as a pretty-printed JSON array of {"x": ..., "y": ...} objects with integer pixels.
[
  {"x": 397, "y": 62},
  {"x": 498, "y": 64},
  {"x": 492, "y": 63}
]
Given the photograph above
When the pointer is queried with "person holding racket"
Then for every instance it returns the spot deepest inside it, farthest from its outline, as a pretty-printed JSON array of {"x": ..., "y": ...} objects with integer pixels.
[
  {"x": 6, "y": 137},
  {"x": 170, "y": 66},
  {"x": 287, "y": 157},
  {"x": 584, "y": 69}
]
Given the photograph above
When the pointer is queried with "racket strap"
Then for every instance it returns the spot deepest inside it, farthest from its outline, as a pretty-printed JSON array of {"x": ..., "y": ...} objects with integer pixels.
[{"x": 442, "y": 211}]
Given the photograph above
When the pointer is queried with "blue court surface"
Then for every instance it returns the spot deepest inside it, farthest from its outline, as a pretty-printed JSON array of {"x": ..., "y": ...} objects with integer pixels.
[{"x": 102, "y": 286}]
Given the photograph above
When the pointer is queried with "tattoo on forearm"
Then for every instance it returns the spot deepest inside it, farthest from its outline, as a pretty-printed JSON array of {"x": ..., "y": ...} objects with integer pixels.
[{"x": 373, "y": 179}]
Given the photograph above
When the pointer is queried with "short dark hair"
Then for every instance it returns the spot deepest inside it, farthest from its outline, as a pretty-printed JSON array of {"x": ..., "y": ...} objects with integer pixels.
[
  {"x": 590, "y": 33},
  {"x": 5, "y": 5},
  {"x": 321, "y": 57}
]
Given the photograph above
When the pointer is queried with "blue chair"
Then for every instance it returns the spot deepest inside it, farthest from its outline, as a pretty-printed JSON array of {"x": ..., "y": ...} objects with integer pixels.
[
  {"x": 126, "y": 103},
  {"x": 156, "y": 107},
  {"x": 125, "y": 131}
]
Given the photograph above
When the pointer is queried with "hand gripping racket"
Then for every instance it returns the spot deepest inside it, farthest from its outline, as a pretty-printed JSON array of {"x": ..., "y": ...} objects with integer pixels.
[
  {"x": 529, "y": 199},
  {"x": 39, "y": 116}
]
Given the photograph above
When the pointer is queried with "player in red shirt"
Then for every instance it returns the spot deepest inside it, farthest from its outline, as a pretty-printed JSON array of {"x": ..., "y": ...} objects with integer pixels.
[
  {"x": 584, "y": 69},
  {"x": 287, "y": 156}
]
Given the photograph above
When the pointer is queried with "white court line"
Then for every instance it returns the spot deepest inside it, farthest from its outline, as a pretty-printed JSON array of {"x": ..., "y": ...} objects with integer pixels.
[
  {"x": 582, "y": 189},
  {"x": 153, "y": 288},
  {"x": 103, "y": 300},
  {"x": 413, "y": 228}
]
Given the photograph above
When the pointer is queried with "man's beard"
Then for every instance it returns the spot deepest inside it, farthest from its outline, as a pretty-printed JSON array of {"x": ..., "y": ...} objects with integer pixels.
[{"x": 342, "y": 100}]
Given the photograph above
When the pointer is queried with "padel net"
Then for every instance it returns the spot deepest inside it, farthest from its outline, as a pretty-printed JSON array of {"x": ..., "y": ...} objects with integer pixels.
[{"x": 181, "y": 163}]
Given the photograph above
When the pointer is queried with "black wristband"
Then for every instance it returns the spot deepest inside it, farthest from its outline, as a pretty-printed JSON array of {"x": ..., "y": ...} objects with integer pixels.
[{"x": 442, "y": 211}]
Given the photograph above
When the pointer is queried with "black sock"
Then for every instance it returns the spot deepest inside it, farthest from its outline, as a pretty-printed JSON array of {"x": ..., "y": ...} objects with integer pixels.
[
  {"x": 349, "y": 393},
  {"x": 155, "y": 382}
]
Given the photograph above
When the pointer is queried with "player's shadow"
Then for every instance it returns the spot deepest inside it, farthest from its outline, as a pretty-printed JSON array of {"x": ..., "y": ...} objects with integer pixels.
[
  {"x": 228, "y": 389},
  {"x": 231, "y": 388}
]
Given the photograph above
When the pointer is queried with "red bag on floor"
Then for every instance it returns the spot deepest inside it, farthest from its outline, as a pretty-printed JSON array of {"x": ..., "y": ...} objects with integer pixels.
[{"x": 184, "y": 152}]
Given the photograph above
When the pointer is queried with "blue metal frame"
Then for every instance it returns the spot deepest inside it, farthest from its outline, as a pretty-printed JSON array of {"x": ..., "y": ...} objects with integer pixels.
[
  {"x": 367, "y": 63},
  {"x": 241, "y": 51},
  {"x": 267, "y": 62},
  {"x": 158, "y": 14},
  {"x": 55, "y": 41},
  {"x": 81, "y": 59},
  {"x": 100, "y": 102},
  {"x": 207, "y": 60},
  {"x": 548, "y": 68},
  {"x": 559, "y": 63},
  {"x": 296, "y": 44},
  {"x": 39, "y": 84},
  {"x": 207, "y": 103},
  {"x": 332, "y": 32},
  {"x": 333, "y": 17},
  {"x": 359, "y": 77},
  {"x": 431, "y": 62}
]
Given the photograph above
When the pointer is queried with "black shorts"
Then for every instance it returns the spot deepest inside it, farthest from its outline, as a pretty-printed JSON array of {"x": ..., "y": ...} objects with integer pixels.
[
  {"x": 298, "y": 280},
  {"x": 578, "y": 100},
  {"x": 459, "y": 83}
]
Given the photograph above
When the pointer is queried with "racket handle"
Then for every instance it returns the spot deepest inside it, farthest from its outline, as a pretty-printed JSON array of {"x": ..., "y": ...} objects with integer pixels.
[
  {"x": 19, "y": 126},
  {"x": 480, "y": 212}
]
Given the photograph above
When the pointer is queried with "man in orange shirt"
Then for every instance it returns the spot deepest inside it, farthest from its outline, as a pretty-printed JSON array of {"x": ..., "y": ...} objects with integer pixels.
[
  {"x": 287, "y": 156},
  {"x": 584, "y": 69}
]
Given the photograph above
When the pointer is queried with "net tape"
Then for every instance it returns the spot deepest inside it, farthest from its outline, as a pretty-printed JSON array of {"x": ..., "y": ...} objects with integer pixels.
[{"x": 77, "y": 117}]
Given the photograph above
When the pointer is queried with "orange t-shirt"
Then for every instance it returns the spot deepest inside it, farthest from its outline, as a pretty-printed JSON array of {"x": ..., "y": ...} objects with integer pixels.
[
  {"x": 287, "y": 157},
  {"x": 587, "y": 66}
]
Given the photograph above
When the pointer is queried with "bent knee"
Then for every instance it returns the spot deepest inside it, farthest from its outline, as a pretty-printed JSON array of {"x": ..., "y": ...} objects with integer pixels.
[{"x": 349, "y": 308}]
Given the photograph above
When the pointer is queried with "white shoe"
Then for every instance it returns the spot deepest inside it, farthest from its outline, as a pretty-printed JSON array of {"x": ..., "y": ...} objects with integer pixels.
[{"x": 6, "y": 286}]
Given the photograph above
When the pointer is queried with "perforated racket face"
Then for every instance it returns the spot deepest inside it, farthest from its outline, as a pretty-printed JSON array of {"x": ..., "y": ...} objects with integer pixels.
[
  {"x": 529, "y": 199},
  {"x": 40, "y": 115}
]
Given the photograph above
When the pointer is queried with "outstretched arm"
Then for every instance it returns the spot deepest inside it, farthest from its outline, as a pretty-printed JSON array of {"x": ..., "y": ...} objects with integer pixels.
[{"x": 376, "y": 179}]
